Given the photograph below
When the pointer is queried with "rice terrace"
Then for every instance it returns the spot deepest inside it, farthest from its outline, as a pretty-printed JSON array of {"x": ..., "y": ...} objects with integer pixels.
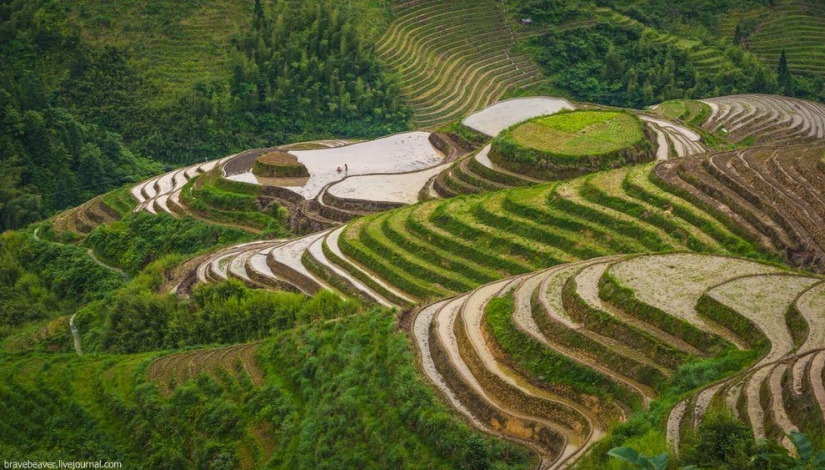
[{"x": 413, "y": 234}]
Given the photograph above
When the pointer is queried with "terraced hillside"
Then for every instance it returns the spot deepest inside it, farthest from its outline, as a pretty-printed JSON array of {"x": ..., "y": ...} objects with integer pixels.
[
  {"x": 81, "y": 220},
  {"x": 771, "y": 194},
  {"x": 371, "y": 176},
  {"x": 477, "y": 172},
  {"x": 511, "y": 355},
  {"x": 440, "y": 248},
  {"x": 160, "y": 34},
  {"x": 793, "y": 26},
  {"x": 175, "y": 369},
  {"x": 765, "y": 118},
  {"x": 453, "y": 57},
  {"x": 706, "y": 59}
]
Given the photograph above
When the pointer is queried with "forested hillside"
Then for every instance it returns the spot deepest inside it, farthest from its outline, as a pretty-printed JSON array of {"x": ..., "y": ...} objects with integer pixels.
[
  {"x": 85, "y": 111},
  {"x": 640, "y": 53},
  {"x": 412, "y": 233}
]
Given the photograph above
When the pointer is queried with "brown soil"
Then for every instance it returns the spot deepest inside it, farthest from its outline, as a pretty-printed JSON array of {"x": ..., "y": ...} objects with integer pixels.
[
  {"x": 770, "y": 194},
  {"x": 278, "y": 158},
  {"x": 287, "y": 182}
]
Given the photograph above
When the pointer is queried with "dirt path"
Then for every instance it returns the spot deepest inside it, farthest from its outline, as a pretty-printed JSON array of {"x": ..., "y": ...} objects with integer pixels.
[
  {"x": 75, "y": 336},
  {"x": 756, "y": 414},
  {"x": 483, "y": 157},
  {"x": 703, "y": 401},
  {"x": 674, "y": 422},
  {"x": 662, "y": 149},
  {"x": 811, "y": 304},
  {"x": 91, "y": 254}
]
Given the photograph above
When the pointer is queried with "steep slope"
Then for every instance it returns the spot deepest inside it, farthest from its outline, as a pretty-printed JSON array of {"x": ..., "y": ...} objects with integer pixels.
[{"x": 453, "y": 57}]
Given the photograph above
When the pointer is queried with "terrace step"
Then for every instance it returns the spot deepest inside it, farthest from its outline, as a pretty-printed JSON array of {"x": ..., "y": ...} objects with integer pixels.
[{"x": 434, "y": 46}]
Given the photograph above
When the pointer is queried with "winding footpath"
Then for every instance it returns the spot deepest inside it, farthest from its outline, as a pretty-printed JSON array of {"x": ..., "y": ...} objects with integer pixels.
[{"x": 75, "y": 335}]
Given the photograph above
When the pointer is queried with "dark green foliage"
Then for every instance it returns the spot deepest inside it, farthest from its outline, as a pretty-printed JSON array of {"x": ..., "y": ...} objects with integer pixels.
[
  {"x": 306, "y": 68},
  {"x": 662, "y": 13},
  {"x": 335, "y": 395},
  {"x": 136, "y": 241},
  {"x": 137, "y": 319},
  {"x": 743, "y": 31},
  {"x": 722, "y": 442},
  {"x": 52, "y": 157},
  {"x": 616, "y": 65},
  {"x": 330, "y": 366},
  {"x": 65, "y": 269},
  {"x": 784, "y": 76},
  {"x": 42, "y": 423},
  {"x": 23, "y": 297},
  {"x": 548, "y": 11},
  {"x": 41, "y": 281}
]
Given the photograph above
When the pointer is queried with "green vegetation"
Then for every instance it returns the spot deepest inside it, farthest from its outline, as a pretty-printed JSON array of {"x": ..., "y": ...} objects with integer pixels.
[
  {"x": 453, "y": 57},
  {"x": 40, "y": 282},
  {"x": 723, "y": 442},
  {"x": 137, "y": 319},
  {"x": 335, "y": 395},
  {"x": 136, "y": 241},
  {"x": 526, "y": 229},
  {"x": 233, "y": 204},
  {"x": 572, "y": 143},
  {"x": 87, "y": 100},
  {"x": 690, "y": 112},
  {"x": 65, "y": 269},
  {"x": 579, "y": 133}
]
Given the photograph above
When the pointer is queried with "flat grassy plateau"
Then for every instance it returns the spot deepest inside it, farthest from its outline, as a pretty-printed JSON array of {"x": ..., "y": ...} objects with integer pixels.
[{"x": 579, "y": 133}]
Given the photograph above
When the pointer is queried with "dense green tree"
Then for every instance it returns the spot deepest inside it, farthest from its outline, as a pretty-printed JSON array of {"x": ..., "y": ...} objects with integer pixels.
[
  {"x": 624, "y": 66},
  {"x": 784, "y": 76}
]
